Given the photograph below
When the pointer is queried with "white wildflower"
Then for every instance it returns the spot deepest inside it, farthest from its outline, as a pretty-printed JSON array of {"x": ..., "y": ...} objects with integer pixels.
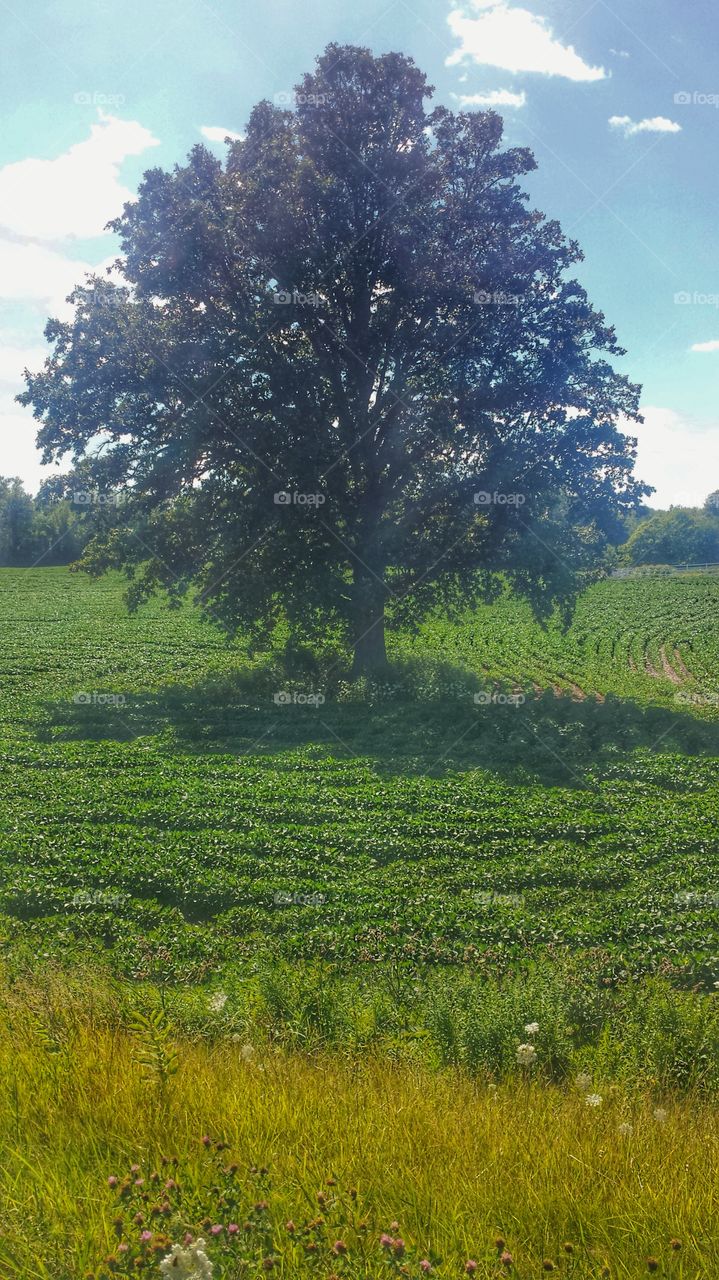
[
  {"x": 532, "y": 1028},
  {"x": 247, "y": 1052},
  {"x": 189, "y": 1263},
  {"x": 526, "y": 1055},
  {"x": 625, "y": 1128},
  {"x": 218, "y": 1001},
  {"x": 583, "y": 1081},
  {"x": 660, "y": 1115},
  {"x": 593, "y": 1099}
]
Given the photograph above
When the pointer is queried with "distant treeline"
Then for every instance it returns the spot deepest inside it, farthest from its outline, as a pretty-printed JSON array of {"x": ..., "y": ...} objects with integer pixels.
[{"x": 55, "y": 526}]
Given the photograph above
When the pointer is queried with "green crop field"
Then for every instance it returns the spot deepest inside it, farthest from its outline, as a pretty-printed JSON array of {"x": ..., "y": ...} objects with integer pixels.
[
  {"x": 536, "y": 790},
  {"x": 452, "y": 943}
]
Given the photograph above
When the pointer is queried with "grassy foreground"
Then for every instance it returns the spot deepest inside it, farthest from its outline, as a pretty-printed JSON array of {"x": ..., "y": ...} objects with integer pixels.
[{"x": 585, "y": 1180}]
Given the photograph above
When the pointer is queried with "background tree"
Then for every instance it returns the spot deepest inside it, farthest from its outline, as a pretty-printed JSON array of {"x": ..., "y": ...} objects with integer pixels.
[
  {"x": 711, "y": 503},
  {"x": 682, "y": 535},
  {"x": 360, "y": 307}
]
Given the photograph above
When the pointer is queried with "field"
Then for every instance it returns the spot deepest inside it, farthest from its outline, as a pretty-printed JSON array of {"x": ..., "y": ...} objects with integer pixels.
[{"x": 482, "y": 900}]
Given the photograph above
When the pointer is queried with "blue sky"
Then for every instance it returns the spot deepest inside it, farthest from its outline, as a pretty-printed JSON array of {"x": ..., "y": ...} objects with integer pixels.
[{"x": 620, "y": 104}]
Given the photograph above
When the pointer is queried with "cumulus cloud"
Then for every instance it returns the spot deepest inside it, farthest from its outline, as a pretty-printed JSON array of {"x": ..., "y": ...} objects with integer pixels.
[
  {"x": 77, "y": 193},
  {"x": 713, "y": 345},
  {"x": 36, "y": 273},
  {"x": 494, "y": 98},
  {"x": 677, "y": 455},
  {"x": 492, "y": 33},
  {"x": 654, "y": 124},
  {"x": 215, "y": 133}
]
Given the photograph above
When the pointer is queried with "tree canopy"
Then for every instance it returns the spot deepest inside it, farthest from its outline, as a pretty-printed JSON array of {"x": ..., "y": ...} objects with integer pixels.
[
  {"x": 682, "y": 535},
  {"x": 345, "y": 369}
]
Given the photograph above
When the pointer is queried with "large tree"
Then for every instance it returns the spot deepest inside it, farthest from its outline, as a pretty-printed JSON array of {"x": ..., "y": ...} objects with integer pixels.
[{"x": 359, "y": 312}]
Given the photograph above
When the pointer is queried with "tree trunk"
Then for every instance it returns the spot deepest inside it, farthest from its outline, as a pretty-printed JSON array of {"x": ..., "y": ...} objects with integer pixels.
[{"x": 370, "y": 654}]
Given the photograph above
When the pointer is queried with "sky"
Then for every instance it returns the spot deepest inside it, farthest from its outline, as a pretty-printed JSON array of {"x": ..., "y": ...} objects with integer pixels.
[{"x": 619, "y": 103}]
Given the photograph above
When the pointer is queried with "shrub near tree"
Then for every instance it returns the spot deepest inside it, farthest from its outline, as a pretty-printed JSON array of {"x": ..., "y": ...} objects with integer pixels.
[
  {"x": 682, "y": 535},
  {"x": 347, "y": 369}
]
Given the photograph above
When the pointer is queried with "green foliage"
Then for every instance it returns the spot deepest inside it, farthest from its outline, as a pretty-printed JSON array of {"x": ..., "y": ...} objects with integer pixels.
[{"x": 682, "y": 535}]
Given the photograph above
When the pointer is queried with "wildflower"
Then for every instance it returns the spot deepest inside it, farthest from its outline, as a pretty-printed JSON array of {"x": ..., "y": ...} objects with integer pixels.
[
  {"x": 398, "y": 1246},
  {"x": 568, "y": 1246},
  {"x": 191, "y": 1263},
  {"x": 675, "y": 1244},
  {"x": 206, "y": 1142},
  {"x": 261, "y": 1206},
  {"x": 138, "y": 1219},
  {"x": 112, "y": 1181},
  {"x": 134, "y": 1168},
  {"x": 216, "y": 1229},
  {"x": 232, "y": 1228},
  {"x": 548, "y": 1265},
  {"x": 470, "y": 1266},
  {"x": 268, "y": 1263},
  {"x": 339, "y": 1247},
  {"x": 499, "y": 1243},
  {"x": 386, "y": 1241},
  {"x": 584, "y": 1081},
  {"x": 652, "y": 1264},
  {"x": 626, "y": 1129},
  {"x": 593, "y": 1099},
  {"x": 660, "y": 1115},
  {"x": 526, "y": 1055},
  {"x": 217, "y": 1001},
  {"x": 123, "y": 1248},
  {"x": 290, "y": 1227},
  {"x": 425, "y": 1266},
  {"x": 247, "y": 1052},
  {"x": 394, "y": 1226},
  {"x": 506, "y": 1259},
  {"x": 532, "y": 1028},
  {"x": 145, "y": 1235}
]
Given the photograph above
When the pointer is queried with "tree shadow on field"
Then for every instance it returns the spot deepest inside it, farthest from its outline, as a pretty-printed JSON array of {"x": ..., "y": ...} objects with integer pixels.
[{"x": 429, "y": 722}]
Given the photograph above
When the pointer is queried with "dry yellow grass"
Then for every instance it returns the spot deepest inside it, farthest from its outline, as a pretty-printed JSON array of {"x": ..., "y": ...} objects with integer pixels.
[{"x": 455, "y": 1162}]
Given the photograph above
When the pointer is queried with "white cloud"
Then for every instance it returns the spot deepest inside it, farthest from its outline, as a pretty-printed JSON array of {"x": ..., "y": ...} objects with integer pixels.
[
  {"x": 34, "y": 273},
  {"x": 215, "y": 133},
  {"x": 680, "y": 457},
  {"x": 706, "y": 346},
  {"x": 515, "y": 40},
  {"x": 654, "y": 124},
  {"x": 14, "y": 359},
  {"x": 494, "y": 98},
  {"x": 78, "y": 192}
]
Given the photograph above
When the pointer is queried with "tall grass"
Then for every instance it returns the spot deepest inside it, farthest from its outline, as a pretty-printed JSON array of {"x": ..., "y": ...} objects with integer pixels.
[{"x": 454, "y": 1162}]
